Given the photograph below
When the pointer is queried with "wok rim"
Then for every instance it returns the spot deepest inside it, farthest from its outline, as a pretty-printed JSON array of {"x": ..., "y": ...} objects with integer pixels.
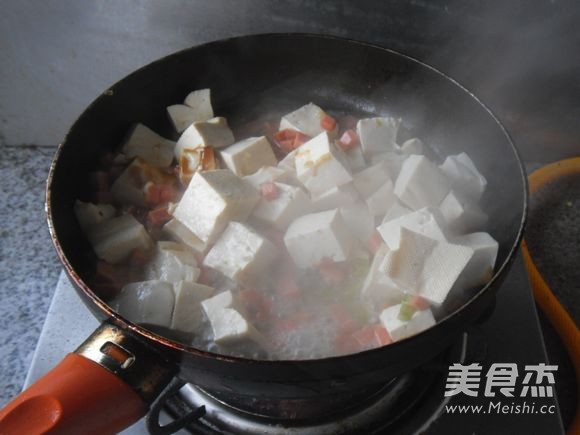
[{"x": 169, "y": 344}]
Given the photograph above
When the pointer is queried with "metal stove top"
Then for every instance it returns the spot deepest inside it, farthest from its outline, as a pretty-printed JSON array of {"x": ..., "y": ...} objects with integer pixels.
[{"x": 511, "y": 334}]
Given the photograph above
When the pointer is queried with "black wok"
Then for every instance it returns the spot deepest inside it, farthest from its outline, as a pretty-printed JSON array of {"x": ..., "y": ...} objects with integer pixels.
[{"x": 251, "y": 77}]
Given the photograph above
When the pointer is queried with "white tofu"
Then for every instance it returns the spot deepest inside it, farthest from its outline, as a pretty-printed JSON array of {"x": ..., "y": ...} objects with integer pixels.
[
  {"x": 266, "y": 174},
  {"x": 381, "y": 200},
  {"x": 317, "y": 236},
  {"x": 128, "y": 187},
  {"x": 335, "y": 197},
  {"x": 461, "y": 214},
  {"x": 288, "y": 163},
  {"x": 427, "y": 222},
  {"x": 182, "y": 116},
  {"x": 230, "y": 327},
  {"x": 442, "y": 269},
  {"x": 114, "y": 239},
  {"x": 355, "y": 159},
  {"x": 172, "y": 262},
  {"x": 479, "y": 270},
  {"x": 147, "y": 302},
  {"x": 88, "y": 214},
  {"x": 398, "y": 330},
  {"x": 211, "y": 200},
  {"x": 306, "y": 120},
  {"x": 218, "y": 302},
  {"x": 378, "y": 288},
  {"x": 393, "y": 162},
  {"x": 421, "y": 184},
  {"x": 145, "y": 143},
  {"x": 412, "y": 146},
  {"x": 369, "y": 180},
  {"x": 213, "y": 133},
  {"x": 377, "y": 134},
  {"x": 396, "y": 211},
  {"x": 200, "y": 101},
  {"x": 320, "y": 165},
  {"x": 464, "y": 176},
  {"x": 249, "y": 155},
  {"x": 187, "y": 312},
  {"x": 241, "y": 253},
  {"x": 181, "y": 233},
  {"x": 358, "y": 220},
  {"x": 291, "y": 203}
]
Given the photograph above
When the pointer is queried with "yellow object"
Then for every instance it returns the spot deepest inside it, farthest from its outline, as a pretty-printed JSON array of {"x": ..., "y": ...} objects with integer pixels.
[{"x": 543, "y": 295}]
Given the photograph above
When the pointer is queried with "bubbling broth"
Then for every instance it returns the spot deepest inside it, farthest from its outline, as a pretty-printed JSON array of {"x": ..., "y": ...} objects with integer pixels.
[{"x": 313, "y": 235}]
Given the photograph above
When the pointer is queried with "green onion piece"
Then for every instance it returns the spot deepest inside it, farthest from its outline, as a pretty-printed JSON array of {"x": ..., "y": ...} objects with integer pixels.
[{"x": 406, "y": 312}]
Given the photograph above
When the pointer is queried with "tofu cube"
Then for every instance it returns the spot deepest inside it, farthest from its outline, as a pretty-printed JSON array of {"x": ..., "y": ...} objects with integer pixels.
[
  {"x": 427, "y": 221},
  {"x": 213, "y": 133},
  {"x": 377, "y": 134},
  {"x": 114, "y": 239},
  {"x": 356, "y": 159},
  {"x": 358, "y": 220},
  {"x": 88, "y": 214},
  {"x": 200, "y": 100},
  {"x": 380, "y": 201},
  {"x": 211, "y": 200},
  {"x": 479, "y": 270},
  {"x": 182, "y": 116},
  {"x": 412, "y": 146},
  {"x": 396, "y": 211},
  {"x": 172, "y": 262},
  {"x": 399, "y": 329},
  {"x": 307, "y": 119},
  {"x": 320, "y": 165},
  {"x": 393, "y": 162},
  {"x": 421, "y": 184},
  {"x": 317, "y": 236},
  {"x": 464, "y": 175},
  {"x": 249, "y": 155},
  {"x": 229, "y": 327},
  {"x": 147, "y": 302},
  {"x": 426, "y": 266},
  {"x": 335, "y": 197},
  {"x": 220, "y": 301},
  {"x": 181, "y": 233},
  {"x": 378, "y": 288},
  {"x": 290, "y": 203},
  {"x": 241, "y": 253},
  {"x": 369, "y": 180},
  {"x": 145, "y": 143},
  {"x": 461, "y": 215},
  {"x": 187, "y": 313},
  {"x": 266, "y": 174},
  {"x": 128, "y": 188}
]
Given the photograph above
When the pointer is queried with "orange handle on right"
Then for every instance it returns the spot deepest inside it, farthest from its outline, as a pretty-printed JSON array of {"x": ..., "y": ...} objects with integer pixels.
[{"x": 77, "y": 396}]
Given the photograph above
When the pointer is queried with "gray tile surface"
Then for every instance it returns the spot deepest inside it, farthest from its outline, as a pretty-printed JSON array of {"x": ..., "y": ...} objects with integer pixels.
[{"x": 29, "y": 267}]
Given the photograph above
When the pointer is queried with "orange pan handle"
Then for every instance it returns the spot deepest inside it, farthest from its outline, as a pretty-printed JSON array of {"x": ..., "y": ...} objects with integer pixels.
[
  {"x": 102, "y": 388},
  {"x": 78, "y": 395}
]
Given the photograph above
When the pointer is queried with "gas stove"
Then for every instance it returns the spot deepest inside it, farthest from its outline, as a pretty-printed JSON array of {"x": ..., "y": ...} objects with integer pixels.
[{"x": 412, "y": 403}]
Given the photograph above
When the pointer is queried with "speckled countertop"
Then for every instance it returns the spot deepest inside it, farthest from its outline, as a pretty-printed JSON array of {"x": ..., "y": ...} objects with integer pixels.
[{"x": 29, "y": 267}]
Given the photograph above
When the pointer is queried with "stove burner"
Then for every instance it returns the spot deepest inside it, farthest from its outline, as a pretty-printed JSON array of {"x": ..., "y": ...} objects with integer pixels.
[{"x": 386, "y": 405}]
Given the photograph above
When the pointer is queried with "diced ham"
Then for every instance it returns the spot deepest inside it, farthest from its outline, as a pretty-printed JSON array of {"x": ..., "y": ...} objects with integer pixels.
[
  {"x": 269, "y": 191},
  {"x": 348, "y": 140},
  {"x": 288, "y": 140},
  {"x": 158, "y": 217},
  {"x": 328, "y": 123}
]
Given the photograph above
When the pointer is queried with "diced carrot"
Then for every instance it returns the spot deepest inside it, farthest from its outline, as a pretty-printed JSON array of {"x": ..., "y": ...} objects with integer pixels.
[
  {"x": 287, "y": 288},
  {"x": 348, "y": 140},
  {"x": 158, "y": 217},
  {"x": 419, "y": 303},
  {"x": 166, "y": 193},
  {"x": 288, "y": 140},
  {"x": 332, "y": 273},
  {"x": 383, "y": 336},
  {"x": 372, "y": 336},
  {"x": 375, "y": 242},
  {"x": 345, "y": 322},
  {"x": 328, "y": 123},
  {"x": 269, "y": 191},
  {"x": 138, "y": 257}
]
